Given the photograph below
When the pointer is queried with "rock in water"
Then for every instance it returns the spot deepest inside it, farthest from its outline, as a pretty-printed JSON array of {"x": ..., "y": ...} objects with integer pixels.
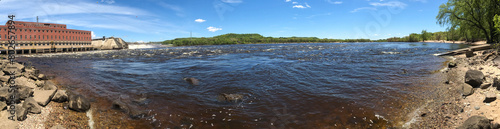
[
  {"x": 79, "y": 103},
  {"x": 229, "y": 97},
  {"x": 60, "y": 96},
  {"x": 474, "y": 78},
  {"x": 490, "y": 97},
  {"x": 467, "y": 90},
  {"x": 476, "y": 122},
  {"x": 132, "y": 111},
  {"x": 192, "y": 81}
]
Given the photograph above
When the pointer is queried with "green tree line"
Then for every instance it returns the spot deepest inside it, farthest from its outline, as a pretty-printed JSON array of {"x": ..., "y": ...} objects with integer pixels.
[{"x": 232, "y": 38}]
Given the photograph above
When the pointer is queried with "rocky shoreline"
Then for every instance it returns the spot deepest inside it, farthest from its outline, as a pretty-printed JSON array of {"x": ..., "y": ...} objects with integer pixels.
[
  {"x": 467, "y": 97},
  {"x": 33, "y": 94}
]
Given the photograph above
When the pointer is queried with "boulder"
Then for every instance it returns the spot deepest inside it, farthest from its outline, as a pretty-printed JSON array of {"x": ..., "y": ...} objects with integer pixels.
[
  {"x": 490, "y": 97},
  {"x": 60, "y": 96},
  {"x": 474, "y": 78},
  {"x": 229, "y": 97},
  {"x": 192, "y": 81},
  {"x": 48, "y": 85},
  {"x": 21, "y": 112},
  {"x": 485, "y": 85},
  {"x": 23, "y": 92},
  {"x": 133, "y": 111},
  {"x": 4, "y": 78},
  {"x": 469, "y": 53},
  {"x": 15, "y": 67},
  {"x": 452, "y": 64},
  {"x": 2, "y": 105},
  {"x": 42, "y": 77},
  {"x": 476, "y": 122},
  {"x": 79, "y": 103},
  {"x": 467, "y": 90},
  {"x": 43, "y": 97},
  {"x": 32, "y": 105},
  {"x": 496, "y": 83},
  {"x": 25, "y": 82},
  {"x": 40, "y": 83}
]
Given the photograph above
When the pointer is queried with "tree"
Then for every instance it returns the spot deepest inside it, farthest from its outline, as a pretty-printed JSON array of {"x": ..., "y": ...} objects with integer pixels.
[
  {"x": 425, "y": 35},
  {"x": 470, "y": 15}
]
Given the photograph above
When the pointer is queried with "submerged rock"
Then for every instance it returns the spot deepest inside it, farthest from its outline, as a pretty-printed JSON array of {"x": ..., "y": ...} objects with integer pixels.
[
  {"x": 192, "y": 81},
  {"x": 476, "y": 122},
  {"x": 133, "y": 111},
  {"x": 79, "y": 103},
  {"x": 229, "y": 97},
  {"x": 474, "y": 78}
]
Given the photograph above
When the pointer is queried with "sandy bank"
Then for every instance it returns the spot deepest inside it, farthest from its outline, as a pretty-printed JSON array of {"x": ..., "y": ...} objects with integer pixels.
[{"x": 455, "y": 105}]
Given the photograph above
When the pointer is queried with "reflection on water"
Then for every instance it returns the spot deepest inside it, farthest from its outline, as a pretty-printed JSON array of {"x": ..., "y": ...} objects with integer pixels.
[{"x": 358, "y": 85}]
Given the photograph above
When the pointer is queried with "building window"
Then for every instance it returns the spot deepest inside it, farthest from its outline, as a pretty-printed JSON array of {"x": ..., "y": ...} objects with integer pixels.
[{"x": 25, "y": 36}]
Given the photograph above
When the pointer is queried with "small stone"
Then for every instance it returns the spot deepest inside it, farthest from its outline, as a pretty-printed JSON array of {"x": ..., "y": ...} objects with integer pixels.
[
  {"x": 485, "y": 85},
  {"x": 490, "y": 97},
  {"x": 476, "y": 107},
  {"x": 452, "y": 64},
  {"x": 467, "y": 90}
]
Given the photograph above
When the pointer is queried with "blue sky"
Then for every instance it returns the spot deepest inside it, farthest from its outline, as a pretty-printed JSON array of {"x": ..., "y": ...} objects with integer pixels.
[{"x": 158, "y": 20}]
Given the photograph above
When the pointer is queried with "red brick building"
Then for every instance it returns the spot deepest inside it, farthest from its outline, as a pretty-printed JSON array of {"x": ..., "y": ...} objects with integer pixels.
[{"x": 43, "y": 37}]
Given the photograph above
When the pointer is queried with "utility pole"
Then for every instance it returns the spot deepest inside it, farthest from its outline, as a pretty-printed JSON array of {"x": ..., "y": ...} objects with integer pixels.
[{"x": 36, "y": 19}]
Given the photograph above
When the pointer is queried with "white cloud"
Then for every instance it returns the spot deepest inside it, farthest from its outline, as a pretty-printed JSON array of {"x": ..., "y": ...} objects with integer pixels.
[
  {"x": 363, "y": 8},
  {"x": 396, "y": 4},
  {"x": 199, "y": 20},
  {"x": 294, "y": 2},
  {"x": 232, "y": 1},
  {"x": 334, "y": 2},
  {"x": 301, "y": 6},
  {"x": 288, "y": 0},
  {"x": 213, "y": 29},
  {"x": 108, "y": 1},
  {"x": 93, "y": 34}
]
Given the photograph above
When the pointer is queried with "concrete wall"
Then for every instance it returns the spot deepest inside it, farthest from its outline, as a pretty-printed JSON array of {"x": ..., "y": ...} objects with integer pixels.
[{"x": 109, "y": 43}]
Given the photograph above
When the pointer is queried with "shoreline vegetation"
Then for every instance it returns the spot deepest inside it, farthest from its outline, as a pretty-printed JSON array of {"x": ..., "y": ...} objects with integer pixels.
[{"x": 231, "y": 39}]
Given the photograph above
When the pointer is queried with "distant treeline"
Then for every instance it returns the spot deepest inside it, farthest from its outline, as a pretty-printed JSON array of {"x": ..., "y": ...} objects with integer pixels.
[
  {"x": 232, "y": 38},
  {"x": 451, "y": 35}
]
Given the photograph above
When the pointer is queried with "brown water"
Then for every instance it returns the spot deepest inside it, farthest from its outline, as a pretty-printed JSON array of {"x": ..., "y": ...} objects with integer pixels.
[{"x": 327, "y": 85}]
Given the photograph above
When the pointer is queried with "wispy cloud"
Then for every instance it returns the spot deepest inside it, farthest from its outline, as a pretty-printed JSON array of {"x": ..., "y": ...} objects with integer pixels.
[
  {"x": 213, "y": 29},
  {"x": 423, "y": 1},
  {"x": 232, "y": 1},
  {"x": 108, "y": 1},
  {"x": 317, "y": 15},
  {"x": 301, "y": 6},
  {"x": 295, "y": 3},
  {"x": 396, "y": 4},
  {"x": 288, "y": 0},
  {"x": 334, "y": 2},
  {"x": 199, "y": 20},
  {"x": 178, "y": 10},
  {"x": 363, "y": 8}
]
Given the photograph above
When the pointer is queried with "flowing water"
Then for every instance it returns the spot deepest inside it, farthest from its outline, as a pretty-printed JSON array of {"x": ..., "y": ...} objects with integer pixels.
[{"x": 324, "y": 85}]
